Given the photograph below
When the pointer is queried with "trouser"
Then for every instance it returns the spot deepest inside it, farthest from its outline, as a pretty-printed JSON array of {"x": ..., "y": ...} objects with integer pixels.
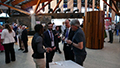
[
  {"x": 40, "y": 63},
  {"x": 49, "y": 57},
  {"x": 25, "y": 45},
  {"x": 57, "y": 48},
  {"x": 68, "y": 53},
  {"x": 20, "y": 42},
  {"x": 9, "y": 52},
  {"x": 80, "y": 59},
  {"x": 111, "y": 36}
]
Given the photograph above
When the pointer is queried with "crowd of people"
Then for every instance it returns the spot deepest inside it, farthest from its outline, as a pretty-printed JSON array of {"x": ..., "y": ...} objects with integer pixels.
[
  {"x": 47, "y": 41},
  {"x": 111, "y": 29},
  {"x": 72, "y": 37},
  {"x": 8, "y": 35}
]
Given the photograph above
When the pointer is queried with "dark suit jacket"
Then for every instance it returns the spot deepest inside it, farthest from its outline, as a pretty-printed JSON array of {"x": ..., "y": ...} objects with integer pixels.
[
  {"x": 24, "y": 35},
  {"x": 71, "y": 34},
  {"x": 47, "y": 39}
]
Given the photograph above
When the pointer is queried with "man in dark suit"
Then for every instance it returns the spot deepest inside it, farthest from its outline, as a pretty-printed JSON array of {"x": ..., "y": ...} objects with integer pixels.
[
  {"x": 67, "y": 35},
  {"x": 24, "y": 39},
  {"x": 50, "y": 41}
]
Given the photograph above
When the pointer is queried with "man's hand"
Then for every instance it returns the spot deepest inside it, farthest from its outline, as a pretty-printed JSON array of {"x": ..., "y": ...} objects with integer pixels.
[
  {"x": 47, "y": 49},
  {"x": 63, "y": 38},
  {"x": 50, "y": 49},
  {"x": 69, "y": 41},
  {"x": 54, "y": 48}
]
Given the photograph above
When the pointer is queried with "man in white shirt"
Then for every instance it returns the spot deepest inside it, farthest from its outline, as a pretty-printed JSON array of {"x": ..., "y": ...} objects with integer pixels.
[
  {"x": 68, "y": 35},
  {"x": 111, "y": 28}
]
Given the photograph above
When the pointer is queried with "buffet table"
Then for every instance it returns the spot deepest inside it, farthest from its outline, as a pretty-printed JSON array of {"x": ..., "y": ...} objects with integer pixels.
[{"x": 64, "y": 64}]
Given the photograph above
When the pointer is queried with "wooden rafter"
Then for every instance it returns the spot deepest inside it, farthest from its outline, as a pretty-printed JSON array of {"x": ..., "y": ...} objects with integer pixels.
[
  {"x": 43, "y": 6},
  {"x": 111, "y": 7},
  {"x": 15, "y": 9},
  {"x": 38, "y": 3},
  {"x": 15, "y": 2},
  {"x": 31, "y": 3},
  {"x": 117, "y": 0},
  {"x": 3, "y": 1},
  {"x": 56, "y": 6},
  {"x": 115, "y": 5}
]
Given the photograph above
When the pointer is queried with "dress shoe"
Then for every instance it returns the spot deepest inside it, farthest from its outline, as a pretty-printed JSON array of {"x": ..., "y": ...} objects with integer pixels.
[
  {"x": 25, "y": 51},
  {"x": 60, "y": 52},
  {"x": 21, "y": 49}
]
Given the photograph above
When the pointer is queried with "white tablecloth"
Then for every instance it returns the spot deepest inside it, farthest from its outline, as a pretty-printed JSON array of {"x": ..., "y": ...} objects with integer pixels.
[{"x": 64, "y": 64}]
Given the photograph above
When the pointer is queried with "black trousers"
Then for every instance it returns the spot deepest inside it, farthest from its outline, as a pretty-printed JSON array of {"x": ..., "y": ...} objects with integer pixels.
[
  {"x": 25, "y": 45},
  {"x": 49, "y": 58},
  {"x": 110, "y": 36},
  {"x": 80, "y": 59},
  {"x": 57, "y": 48},
  {"x": 68, "y": 53},
  {"x": 9, "y": 52}
]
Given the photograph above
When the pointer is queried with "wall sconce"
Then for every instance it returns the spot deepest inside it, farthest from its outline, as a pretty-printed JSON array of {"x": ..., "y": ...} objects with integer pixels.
[
  {"x": 76, "y": 11},
  {"x": 50, "y": 10},
  {"x": 58, "y": 10},
  {"x": 68, "y": 10}
]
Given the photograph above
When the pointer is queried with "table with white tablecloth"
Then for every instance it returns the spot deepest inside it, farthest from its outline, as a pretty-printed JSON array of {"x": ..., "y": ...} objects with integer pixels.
[{"x": 64, "y": 64}]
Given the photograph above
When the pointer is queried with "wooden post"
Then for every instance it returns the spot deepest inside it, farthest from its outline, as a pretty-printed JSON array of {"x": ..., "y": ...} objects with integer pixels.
[
  {"x": 70, "y": 5},
  {"x": 85, "y": 5},
  {"x": 113, "y": 13},
  {"x": 79, "y": 5},
  {"x": 94, "y": 29},
  {"x": 93, "y": 5}
]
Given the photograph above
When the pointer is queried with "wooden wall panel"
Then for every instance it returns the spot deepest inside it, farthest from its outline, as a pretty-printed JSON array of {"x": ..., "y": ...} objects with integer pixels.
[{"x": 94, "y": 29}]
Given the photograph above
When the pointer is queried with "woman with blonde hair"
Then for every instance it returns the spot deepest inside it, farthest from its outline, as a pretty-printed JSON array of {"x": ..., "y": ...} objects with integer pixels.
[{"x": 7, "y": 39}]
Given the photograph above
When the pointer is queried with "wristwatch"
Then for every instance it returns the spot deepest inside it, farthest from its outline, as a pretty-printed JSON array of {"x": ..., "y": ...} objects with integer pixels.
[{"x": 72, "y": 43}]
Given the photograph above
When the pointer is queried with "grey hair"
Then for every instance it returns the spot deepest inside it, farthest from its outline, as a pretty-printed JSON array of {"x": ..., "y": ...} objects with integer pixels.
[{"x": 75, "y": 23}]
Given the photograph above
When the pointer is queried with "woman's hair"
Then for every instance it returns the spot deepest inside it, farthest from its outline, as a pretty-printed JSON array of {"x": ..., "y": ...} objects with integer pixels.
[
  {"x": 1, "y": 27},
  {"x": 7, "y": 26},
  {"x": 38, "y": 28}
]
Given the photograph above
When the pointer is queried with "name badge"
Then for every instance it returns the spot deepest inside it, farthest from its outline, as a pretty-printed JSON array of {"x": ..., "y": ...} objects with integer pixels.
[{"x": 52, "y": 43}]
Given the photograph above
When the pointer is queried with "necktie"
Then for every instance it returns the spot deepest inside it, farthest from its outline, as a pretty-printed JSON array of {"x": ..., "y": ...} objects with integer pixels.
[
  {"x": 66, "y": 35},
  {"x": 51, "y": 35}
]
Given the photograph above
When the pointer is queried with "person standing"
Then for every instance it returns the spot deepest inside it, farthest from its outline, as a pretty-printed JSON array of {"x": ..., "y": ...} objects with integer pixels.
[
  {"x": 37, "y": 46},
  {"x": 78, "y": 42},
  {"x": 24, "y": 39},
  {"x": 63, "y": 27},
  {"x": 7, "y": 38},
  {"x": 68, "y": 35},
  {"x": 111, "y": 28},
  {"x": 19, "y": 31},
  {"x": 50, "y": 41},
  {"x": 1, "y": 46},
  {"x": 59, "y": 39}
]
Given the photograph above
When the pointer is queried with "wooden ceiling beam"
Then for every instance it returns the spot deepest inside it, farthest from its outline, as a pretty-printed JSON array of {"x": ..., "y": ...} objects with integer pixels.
[
  {"x": 117, "y": 0},
  {"x": 15, "y": 9},
  {"x": 56, "y": 6},
  {"x": 38, "y": 3},
  {"x": 15, "y": 2},
  {"x": 3, "y": 1},
  {"x": 115, "y": 5},
  {"x": 111, "y": 7},
  {"x": 31, "y": 3},
  {"x": 43, "y": 7}
]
